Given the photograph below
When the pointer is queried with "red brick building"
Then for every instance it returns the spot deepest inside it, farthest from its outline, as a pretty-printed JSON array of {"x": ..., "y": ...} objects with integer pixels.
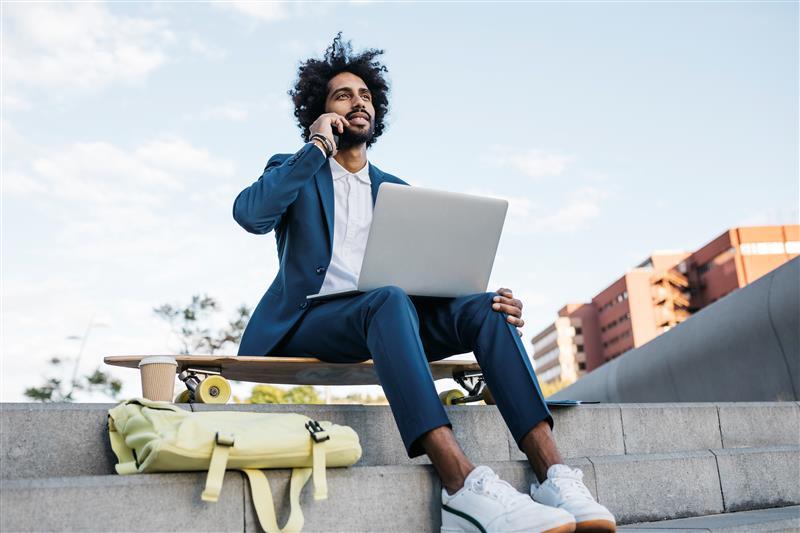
[{"x": 655, "y": 296}]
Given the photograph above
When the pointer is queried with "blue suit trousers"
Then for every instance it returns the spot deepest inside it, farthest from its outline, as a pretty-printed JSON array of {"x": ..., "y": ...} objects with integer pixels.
[{"x": 402, "y": 333}]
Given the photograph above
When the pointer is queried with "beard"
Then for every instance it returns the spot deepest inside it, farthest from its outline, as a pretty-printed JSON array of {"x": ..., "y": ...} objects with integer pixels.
[{"x": 351, "y": 137}]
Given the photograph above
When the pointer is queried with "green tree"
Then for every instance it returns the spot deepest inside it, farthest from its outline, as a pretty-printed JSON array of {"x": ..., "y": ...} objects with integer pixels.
[
  {"x": 57, "y": 389},
  {"x": 296, "y": 395},
  {"x": 266, "y": 394},
  {"x": 302, "y": 394},
  {"x": 191, "y": 324}
]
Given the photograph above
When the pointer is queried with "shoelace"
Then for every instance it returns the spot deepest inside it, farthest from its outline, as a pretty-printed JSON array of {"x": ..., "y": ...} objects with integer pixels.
[
  {"x": 570, "y": 485},
  {"x": 502, "y": 491}
]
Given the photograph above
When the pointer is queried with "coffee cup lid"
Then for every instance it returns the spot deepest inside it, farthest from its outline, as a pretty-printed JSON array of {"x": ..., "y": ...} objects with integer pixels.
[{"x": 158, "y": 359}]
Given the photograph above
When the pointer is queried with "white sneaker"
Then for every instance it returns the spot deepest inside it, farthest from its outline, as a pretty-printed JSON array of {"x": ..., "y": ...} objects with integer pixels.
[
  {"x": 487, "y": 504},
  {"x": 564, "y": 489}
]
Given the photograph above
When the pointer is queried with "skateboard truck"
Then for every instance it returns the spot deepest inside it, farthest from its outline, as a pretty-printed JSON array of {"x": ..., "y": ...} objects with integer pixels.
[
  {"x": 204, "y": 384},
  {"x": 471, "y": 381}
]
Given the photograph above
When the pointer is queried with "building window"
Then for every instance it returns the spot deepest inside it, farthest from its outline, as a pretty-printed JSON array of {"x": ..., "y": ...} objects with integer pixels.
[
  {"x": 547, "y": 357},
  {"x": 581, "y": 365},
  {"x": 545, "y": 341},
  {"x": 578, "y": 331}
]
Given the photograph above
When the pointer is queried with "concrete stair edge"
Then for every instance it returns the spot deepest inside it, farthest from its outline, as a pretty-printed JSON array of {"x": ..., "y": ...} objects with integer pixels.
[
  {"x": 637, "y": 488},
  {"x": 776, "y": 519},
  {"x": 34, "y": 441}
]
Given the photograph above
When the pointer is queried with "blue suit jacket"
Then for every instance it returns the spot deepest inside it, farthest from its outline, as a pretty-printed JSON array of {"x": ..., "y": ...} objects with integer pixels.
[{"x": 294, "y": 197}]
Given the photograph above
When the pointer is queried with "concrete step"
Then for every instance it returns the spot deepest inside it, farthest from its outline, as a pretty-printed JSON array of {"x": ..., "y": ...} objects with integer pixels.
[
  {"x": 636, "y": 488},
  {"x": 777, "y": 520},
  {"x": 44, "y": 440}
]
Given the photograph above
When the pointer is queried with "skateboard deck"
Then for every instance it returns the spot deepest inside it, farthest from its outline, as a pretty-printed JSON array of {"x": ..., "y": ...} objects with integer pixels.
[
  {"x": 205, "y": 375},
  {"x": 289, "y": 370}
]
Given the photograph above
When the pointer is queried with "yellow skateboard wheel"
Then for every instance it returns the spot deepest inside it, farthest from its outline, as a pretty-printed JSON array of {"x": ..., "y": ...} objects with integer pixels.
[
  {"x": 447, "y": 397},
  {"x": 183, "y": 397},
  {"x": 213, "y": 389},
  {"x": 486, "y": 394}
]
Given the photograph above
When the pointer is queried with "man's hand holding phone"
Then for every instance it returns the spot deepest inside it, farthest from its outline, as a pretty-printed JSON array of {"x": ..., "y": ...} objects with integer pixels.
[{"x": 330, "y": 125}]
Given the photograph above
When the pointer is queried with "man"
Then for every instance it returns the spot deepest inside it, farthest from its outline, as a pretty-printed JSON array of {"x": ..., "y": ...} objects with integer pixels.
[{"x": 319, "y": 202}]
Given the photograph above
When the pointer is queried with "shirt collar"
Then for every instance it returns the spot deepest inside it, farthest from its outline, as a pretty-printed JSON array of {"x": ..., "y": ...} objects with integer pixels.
[{"x": 338, "y": 171}]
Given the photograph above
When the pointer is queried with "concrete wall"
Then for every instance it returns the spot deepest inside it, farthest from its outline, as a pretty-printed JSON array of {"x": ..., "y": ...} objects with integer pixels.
[{"x": 744, "y": 347}]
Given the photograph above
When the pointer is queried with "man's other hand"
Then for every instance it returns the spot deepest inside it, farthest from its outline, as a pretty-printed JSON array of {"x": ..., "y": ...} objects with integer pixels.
[{"x": 506, "y": 303}]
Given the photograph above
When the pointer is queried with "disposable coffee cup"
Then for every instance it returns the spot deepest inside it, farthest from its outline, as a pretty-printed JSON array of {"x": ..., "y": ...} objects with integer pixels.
[{"x": 158, "y": 377}]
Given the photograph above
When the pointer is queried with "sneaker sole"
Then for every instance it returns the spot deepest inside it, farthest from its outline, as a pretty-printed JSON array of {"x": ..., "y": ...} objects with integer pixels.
[
  {"x": 596, "y": 526},
  {"x": 566, "y": 528}
]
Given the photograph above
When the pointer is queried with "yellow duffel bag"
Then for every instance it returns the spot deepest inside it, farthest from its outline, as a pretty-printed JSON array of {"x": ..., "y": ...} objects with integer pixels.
[{"x": 150, "y": 436}]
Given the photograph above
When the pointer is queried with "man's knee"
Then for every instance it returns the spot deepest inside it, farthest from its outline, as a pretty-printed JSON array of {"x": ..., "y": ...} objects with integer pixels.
[
  {"x": 390, "y": 292},
  {"x": 389, "y": 295},
  {"x": 481, "y": 304}
]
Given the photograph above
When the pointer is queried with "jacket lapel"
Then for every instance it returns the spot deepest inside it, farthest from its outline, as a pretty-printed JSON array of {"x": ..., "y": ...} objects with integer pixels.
[
  {"x": 324, "y": 181},
  {"x": 375, "y": 180}
]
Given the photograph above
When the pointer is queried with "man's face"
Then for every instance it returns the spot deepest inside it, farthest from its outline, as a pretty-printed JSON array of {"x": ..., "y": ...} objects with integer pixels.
[{"x": 349, "y": 96}]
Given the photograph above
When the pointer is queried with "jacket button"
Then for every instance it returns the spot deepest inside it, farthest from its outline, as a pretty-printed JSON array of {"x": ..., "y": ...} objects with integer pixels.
[
  {"x": 321, "y": 270},
  {"x": 303, "y": 305}
]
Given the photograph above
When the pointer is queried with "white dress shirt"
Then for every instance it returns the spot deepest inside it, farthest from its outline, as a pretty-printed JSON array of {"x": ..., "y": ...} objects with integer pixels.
[{"x": 352, "y": 216}]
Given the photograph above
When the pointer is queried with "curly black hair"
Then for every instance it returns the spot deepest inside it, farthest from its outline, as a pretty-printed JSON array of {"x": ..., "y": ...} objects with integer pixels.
[{"x": 311, "y": 88}]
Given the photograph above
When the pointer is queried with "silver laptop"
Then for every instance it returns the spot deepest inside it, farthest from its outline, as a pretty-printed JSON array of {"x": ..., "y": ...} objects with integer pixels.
[{"x": 429, "y": 242}]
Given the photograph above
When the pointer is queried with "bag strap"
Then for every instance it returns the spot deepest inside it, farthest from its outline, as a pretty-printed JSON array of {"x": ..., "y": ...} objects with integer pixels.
[
  {"x": 318, "y": 439},
  {"x": 127, "y": 461},
  {"x": 320, "y": 479},
  {"x": 263, "y": 503},
  {"x": 216, "y": 469},
  {"x": 259, "y": 486}
]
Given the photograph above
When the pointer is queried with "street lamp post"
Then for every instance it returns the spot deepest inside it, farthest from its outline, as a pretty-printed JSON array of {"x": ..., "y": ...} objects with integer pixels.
[{"x": 92, "y": 324}]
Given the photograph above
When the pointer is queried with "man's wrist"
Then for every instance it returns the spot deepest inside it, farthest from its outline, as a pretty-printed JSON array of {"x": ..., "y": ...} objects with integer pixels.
[
  {"x": 318, "y": 144},
  {"x": 328, "y": 146}
]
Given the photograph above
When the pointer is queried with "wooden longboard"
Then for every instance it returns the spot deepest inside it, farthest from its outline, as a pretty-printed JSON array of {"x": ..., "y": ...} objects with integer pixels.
[
  {"x": 289, "y": 370},
  {"x": 203, "y": 375}
]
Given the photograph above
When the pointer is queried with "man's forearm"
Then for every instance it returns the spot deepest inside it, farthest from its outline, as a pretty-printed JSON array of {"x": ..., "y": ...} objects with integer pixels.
[{"x": 259, "y": 207}]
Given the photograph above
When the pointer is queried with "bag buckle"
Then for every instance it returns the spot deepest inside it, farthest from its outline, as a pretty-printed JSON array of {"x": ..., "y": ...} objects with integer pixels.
[
  {"x": 317, "y": 433},
  {"x": 224, "y": 439}
]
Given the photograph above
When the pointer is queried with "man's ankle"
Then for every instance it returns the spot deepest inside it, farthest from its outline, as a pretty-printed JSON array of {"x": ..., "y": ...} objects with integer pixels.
[
  {"x": 456, "y": 484},
  {"x": 453, "y": 488}
]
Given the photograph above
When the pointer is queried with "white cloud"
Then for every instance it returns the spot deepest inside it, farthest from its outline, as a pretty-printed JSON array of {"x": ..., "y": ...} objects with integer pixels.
[
  {"x": 582, "y": 206},
  {"x": 525, "y": 216},
  {"x": 103, "y": 174},
  {"x": 256, "y": 13},
  {"x": 109, "y": 231},
  {"x": 263, "y": 11},
  {"x": 80, "y": 46},
  {"x": 533, "y": 163},
  {"x": 19, "y": 184},
  {"x": 176, "y": 155},
  {"x": 518, "y": 206}
]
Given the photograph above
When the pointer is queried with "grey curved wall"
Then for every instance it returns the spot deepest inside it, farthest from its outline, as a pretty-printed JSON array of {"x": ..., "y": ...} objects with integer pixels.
[{"x": 744, "y": 347}]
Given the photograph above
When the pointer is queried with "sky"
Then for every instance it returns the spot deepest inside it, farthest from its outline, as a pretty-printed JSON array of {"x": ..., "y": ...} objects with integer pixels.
[{"x": 613, "y": 129}]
